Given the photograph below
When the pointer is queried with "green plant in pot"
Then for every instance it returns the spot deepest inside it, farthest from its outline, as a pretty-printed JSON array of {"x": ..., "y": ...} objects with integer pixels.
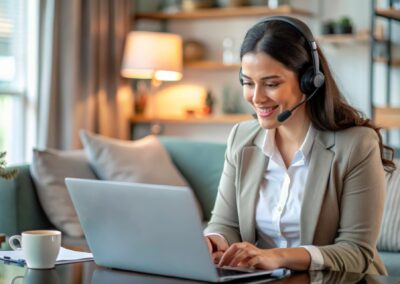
[
  {"x": 4, "y": 173},
  {"x": 344, "y": 26},
  {"x": 328, "y": 27}
]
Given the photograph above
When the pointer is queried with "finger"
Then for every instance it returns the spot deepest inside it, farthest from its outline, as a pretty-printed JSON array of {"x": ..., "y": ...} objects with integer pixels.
[
  {"x": 216, "y": 256},
  {"x": 244, "y": 255},
  {"x": 229, "y": 253},
  {"x": 254, "y": 262},
  {"x": 240, "y": 256},
  {"x": 209, "y": 245}
]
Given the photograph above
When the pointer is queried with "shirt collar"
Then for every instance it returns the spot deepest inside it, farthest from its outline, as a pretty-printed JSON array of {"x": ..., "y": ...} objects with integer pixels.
[{"x": 270, "y": 149}]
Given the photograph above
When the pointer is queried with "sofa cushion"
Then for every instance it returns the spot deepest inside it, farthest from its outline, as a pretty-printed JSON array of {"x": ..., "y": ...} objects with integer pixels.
[
  {"x": 49, "y": 169},
  {"x": 391, "y": 261},
  {"x": 142, "y": 161},
  {"x": 201, "y": 163},
  {"x": 389, "y": 239}
]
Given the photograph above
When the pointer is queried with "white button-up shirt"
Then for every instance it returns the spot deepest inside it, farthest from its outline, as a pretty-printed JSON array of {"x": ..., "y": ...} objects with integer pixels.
[{"x": 280, "y": 198}]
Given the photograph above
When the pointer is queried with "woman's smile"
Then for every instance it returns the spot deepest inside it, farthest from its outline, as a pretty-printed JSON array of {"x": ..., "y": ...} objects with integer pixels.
[{"x": 264, "y": 112}]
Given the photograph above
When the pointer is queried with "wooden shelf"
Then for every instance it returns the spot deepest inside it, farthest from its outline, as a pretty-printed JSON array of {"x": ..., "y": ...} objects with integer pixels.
[
  {"x": 344, "y": 38},
  {"x": 387, "y": 117},
  {"x": 212, "y": 119},
  {"x": 395, "y": 62},
  {"x": 388, "y": 13},
  {"x": 211, "y": 65},
  {"x": 224, "y": 12}
]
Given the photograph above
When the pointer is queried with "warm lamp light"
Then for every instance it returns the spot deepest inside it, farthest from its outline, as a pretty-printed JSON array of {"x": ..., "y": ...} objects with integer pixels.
[{"x": 153, "y": 55}]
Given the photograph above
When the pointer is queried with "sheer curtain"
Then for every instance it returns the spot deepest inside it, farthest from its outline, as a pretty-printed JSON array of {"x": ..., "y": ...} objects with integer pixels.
[{"x": 81, "y": 45}]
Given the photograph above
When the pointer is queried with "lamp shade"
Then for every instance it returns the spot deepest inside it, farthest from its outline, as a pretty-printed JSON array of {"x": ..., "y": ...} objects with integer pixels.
[{"x": 151, "y": 55}]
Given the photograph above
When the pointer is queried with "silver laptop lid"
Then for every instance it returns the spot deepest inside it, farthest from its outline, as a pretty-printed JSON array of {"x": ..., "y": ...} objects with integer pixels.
[{"x": 146, "y": 228}]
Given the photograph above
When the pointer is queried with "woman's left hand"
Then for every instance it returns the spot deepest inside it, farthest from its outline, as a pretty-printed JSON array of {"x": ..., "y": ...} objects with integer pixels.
[{"x": 247, "y": 255}]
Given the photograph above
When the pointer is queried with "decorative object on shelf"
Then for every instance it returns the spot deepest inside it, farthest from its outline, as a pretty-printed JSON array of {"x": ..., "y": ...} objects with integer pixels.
[
  {"x": 193, "y": 50},
  {"x": 228, "y": 56},
  {"x": 209, "y": 103},
  {"x": 273, "y": 4},
  {"x": 148, "y": 6},
  {"x": 141, "y": 94},
  {"x": 231, "y": 3},
  {"x": 4, "y": 173},
  {"x": 258, "y": 2},
  {"x": 192, "y": 5},
  {"x": 344, "y": 26},
  {"x": 328, "y": 27},
  {"x": 169, "y": 6},
  {"x": 153, "y": 55}
]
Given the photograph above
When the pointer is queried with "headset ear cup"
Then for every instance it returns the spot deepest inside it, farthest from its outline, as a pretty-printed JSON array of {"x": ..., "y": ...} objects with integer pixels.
[{"x": 307, "y": 81}]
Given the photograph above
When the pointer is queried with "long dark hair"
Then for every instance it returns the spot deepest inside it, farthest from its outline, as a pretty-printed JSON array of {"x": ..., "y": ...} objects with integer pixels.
[{"x": 328, "y": 109}]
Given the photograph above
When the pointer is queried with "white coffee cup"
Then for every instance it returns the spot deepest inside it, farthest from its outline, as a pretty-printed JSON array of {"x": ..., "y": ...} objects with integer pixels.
[{"x": 40, "y": 248}]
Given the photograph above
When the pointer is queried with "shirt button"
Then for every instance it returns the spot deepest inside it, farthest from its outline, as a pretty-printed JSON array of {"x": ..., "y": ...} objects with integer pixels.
[{"x": 279, "y": 209}]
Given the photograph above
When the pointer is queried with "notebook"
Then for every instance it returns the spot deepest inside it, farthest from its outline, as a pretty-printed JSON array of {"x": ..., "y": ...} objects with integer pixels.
[{"x": 146, "y": 228}]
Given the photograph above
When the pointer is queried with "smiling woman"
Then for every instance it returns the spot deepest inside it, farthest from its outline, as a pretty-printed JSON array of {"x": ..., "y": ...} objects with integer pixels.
[{"x": 295, "y": 182}]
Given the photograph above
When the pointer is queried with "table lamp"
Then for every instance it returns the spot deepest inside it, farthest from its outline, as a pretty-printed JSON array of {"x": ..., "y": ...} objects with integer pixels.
[{"x": 153, "y": 55}]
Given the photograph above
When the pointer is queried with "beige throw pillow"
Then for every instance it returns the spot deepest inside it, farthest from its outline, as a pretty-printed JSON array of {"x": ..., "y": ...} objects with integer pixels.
[
  {"x": 49, "y": 168},
  {"x": 141, "y": 161}
]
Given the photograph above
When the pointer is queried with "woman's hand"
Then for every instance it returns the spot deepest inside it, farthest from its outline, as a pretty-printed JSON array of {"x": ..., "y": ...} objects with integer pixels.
[
  {"x": 247, "y": 255},
  {"x": 217, "y": 245}
]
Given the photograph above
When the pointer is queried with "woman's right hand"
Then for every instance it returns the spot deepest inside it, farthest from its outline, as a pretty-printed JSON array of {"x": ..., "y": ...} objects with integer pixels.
[{"x": 217, "y": 245}]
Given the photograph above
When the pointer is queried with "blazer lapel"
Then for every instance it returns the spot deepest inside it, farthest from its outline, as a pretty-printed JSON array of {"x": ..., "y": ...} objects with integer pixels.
[
  {"x": 316, "y": 185},
  {"x": 252, "y": 167}
]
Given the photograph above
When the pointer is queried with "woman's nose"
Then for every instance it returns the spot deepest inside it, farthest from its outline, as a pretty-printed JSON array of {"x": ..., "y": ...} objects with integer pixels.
[{"x": 259, "y": 95}]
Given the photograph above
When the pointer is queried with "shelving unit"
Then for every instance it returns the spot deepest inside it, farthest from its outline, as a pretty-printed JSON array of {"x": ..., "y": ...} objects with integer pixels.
[
  {"x": 218, "y": 126},
  {"x": 194, "y": 119},
  {"x": 211, "y": 65},
  {"x": 223, "y": 13},
  {"x": 208, "y": 65},
  {"x": 244, "y": 11},
  {"x": 344, "y": 38},
  {"x": 385, "y": 116}
]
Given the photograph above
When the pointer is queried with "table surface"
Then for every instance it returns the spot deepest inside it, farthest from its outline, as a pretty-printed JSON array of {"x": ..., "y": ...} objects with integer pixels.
[{"x": 90, "y": 273}]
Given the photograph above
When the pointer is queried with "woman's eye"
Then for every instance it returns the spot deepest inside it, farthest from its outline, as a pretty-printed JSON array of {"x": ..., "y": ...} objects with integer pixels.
[
  {"x": 247, "y": 83},
  {"x": 272, "y": 85}
]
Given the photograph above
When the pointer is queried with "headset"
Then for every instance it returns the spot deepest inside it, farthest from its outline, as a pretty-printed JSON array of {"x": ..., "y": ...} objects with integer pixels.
[{"x": 312, "y": 78}]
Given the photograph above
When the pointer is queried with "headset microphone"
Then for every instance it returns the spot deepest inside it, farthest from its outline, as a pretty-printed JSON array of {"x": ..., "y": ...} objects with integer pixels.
[{"x": 287, "y": 113}]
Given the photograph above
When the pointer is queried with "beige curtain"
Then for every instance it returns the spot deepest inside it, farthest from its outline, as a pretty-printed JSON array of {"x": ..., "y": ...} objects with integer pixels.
[{"x": 80, "y": 87}]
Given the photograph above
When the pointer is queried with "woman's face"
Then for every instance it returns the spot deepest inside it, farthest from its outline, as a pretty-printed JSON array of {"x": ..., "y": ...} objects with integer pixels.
[{"x": 270, "y": 88}]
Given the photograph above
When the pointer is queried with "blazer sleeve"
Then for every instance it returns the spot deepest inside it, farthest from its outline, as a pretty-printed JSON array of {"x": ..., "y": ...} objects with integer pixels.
[
  {"x": 224, "y": 219},
  {"x": 361, "y": 208}
]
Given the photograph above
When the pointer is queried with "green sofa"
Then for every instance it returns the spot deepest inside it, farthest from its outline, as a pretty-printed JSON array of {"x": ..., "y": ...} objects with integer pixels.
[{"x": 199, "y": 162}]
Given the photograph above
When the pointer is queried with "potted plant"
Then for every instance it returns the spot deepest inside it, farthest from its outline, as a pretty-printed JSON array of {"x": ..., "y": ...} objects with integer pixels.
[
  {"x": 4, "y": 173},
  {"x": 328, "y": 27},
  {"x": 344, "y": 26}
]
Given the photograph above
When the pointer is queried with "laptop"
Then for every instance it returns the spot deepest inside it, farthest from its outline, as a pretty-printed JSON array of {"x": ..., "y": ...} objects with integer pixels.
[{"x": 147, "y": 228}]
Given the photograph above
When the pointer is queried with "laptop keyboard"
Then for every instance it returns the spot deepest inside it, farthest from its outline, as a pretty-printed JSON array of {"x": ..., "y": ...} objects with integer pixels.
[{"x": 223, "y": 272}]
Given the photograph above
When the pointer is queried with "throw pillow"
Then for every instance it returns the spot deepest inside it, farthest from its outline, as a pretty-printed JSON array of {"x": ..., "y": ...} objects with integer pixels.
[
  {"x": 141, "y": 161},
  {"x": 49, "y": 168},
  {"x": 389, "y": 239}
]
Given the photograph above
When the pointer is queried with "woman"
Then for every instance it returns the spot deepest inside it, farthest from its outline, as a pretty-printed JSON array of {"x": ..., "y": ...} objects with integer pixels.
[{"x": 303, "y": 186}]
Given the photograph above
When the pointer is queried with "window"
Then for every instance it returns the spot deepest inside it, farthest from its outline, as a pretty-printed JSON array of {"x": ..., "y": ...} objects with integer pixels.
[{"x": 16, "y": 55}]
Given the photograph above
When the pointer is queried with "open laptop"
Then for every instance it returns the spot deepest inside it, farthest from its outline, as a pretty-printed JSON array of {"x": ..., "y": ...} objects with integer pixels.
[{"x": 147, "y": 228}]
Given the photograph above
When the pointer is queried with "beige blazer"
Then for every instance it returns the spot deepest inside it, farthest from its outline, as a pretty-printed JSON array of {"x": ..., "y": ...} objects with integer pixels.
[{"x": 343, "y": 199}]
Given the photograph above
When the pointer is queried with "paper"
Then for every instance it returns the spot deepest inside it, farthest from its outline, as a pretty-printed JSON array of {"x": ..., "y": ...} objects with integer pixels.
[{"x": 64, "y": 256}]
